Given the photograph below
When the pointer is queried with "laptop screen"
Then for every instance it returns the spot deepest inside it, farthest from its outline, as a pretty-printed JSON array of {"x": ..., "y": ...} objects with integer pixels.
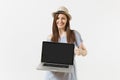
[{"x": 59, "y": 53}]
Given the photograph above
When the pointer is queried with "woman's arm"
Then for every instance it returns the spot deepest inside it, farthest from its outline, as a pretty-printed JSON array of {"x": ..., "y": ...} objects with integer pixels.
[{"x": 81, "y": 50}]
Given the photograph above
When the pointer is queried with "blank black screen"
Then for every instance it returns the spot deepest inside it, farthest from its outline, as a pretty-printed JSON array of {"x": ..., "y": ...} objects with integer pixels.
[{"x": 62, "y": 53}]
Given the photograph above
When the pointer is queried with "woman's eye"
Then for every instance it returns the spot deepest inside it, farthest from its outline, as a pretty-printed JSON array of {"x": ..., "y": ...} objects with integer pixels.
[
  {"x": 57, "y": 17},
  {"x": 63, "y": 18}
]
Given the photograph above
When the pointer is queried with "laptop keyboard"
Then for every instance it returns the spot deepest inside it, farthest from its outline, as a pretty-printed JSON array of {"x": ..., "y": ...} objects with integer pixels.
[{"x": 56, "y": 65}]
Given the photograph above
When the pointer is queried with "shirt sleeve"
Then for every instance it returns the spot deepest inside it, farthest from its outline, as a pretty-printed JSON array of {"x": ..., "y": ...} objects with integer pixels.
[{"x": 78, "y": 38}]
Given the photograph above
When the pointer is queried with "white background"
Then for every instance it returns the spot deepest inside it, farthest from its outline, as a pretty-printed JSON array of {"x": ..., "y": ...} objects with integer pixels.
[{"x": 24, "y": 24}]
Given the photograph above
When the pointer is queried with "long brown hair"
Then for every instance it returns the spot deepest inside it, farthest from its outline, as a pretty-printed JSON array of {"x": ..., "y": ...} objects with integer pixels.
[{"x": 55, "y": 32}]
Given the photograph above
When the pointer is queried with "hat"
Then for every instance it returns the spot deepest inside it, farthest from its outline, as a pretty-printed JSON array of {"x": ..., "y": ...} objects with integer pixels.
[{"x": 62, "y": 9}]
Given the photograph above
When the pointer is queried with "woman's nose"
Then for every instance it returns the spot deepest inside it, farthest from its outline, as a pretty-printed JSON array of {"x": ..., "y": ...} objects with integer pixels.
[{"x": 60, "y": 20}]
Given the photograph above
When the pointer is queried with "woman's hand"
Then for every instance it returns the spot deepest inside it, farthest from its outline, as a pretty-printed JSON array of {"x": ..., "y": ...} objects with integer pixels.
[{"x": 81, "y": 50}]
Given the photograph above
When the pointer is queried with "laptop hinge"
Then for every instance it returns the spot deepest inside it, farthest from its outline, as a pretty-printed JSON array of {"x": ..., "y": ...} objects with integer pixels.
[{"x": 56, "y": 65}]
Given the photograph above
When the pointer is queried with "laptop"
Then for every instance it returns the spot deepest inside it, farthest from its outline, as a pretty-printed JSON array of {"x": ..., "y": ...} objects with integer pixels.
[{"x": 56, "y": 57}]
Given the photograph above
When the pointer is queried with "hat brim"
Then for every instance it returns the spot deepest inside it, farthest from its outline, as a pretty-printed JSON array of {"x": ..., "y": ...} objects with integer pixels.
[{"x": 53, "y": 14}]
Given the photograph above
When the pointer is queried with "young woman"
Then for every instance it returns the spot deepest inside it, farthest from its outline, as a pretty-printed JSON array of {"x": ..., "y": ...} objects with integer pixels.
[{"x": 61, "y": 32}]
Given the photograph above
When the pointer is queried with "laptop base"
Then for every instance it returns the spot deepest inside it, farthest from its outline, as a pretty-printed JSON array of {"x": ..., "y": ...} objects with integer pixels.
[{"x": 41, "y": 66}]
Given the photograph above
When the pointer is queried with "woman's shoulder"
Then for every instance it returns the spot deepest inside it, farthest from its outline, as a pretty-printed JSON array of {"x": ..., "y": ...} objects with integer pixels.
[
  {"x": 77, "y": 35},
  {"x": 76, "y": 32}
]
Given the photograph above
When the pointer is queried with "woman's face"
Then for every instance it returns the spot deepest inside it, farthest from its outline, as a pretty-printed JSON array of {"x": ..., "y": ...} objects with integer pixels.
[{"x": 61, "y": 21}]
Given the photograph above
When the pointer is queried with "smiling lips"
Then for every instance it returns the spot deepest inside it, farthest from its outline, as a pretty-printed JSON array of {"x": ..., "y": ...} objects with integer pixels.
[{"x": 60, "y": 24}]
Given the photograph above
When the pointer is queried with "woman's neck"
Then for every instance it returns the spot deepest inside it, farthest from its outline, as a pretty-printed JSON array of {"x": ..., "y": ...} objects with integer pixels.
[{"x": 62, "y": 32}]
